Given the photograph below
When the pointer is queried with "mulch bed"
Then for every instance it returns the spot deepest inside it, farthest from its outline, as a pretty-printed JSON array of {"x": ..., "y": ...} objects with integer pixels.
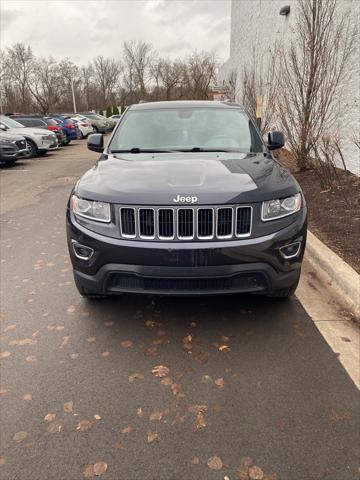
[{"x": 334, "y": 213}]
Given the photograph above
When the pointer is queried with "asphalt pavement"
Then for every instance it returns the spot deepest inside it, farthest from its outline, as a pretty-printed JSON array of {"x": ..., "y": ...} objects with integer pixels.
[{"x": 153, "y": 388}]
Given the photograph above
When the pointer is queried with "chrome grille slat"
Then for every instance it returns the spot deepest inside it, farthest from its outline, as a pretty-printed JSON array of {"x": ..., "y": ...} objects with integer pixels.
[{"x": 185, "y": 223}]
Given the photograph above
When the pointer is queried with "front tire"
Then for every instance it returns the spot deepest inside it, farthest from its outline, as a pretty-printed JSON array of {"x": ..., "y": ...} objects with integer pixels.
[{"x": 33, "y": 151}]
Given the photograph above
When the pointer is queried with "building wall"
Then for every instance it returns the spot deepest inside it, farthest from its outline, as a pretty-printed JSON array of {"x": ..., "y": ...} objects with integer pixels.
[{"x": 256, "y": 29}]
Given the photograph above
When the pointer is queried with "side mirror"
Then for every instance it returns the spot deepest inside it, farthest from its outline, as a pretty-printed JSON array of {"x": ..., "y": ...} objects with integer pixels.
[
  {"x": 275, "y": 140},
  {"x": 96, "y": 142}
]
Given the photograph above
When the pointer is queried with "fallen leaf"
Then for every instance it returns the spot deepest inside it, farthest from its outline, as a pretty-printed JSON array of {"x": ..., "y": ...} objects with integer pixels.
[
  {"x": 135, "y": 376},
  {"x": 187, "y": 339},
  {"x": 65, "y": 341},
  {"x": 157, "y": 415},
  {"x": 215, "y": 463},
  {"x": 126, "y": 343},
  {"x": 5, "y": 354},
  {"x": 74, "y": 356},
  {"x": 68, "y": 407},
  {"x": 97, "y": 417},
  {"x": 2, "y": 461},
  {"x": 105, "y": 354},
  {"x": 100, "y": 468},
  {"x": 28, "y": 397},
  {"x": 26, "y": 341},
  {"x": 139, "y": 412},
  {"x": 336, "y": 416},
  {"x": 176, "y": 389},
  {"x": 151, "y": 436},
  {"x": 118, "y": 445},
  {"x": 195, "y": 461},
  {"x": 71, "y": 309},
  {"x": 219, "y": 382},
  {"x": 55, "y": 427},
  {"x": 224, "y": 348},
  {"x": 84, "y": 425},
  {"x": 109, "y": 324},
  {"x": 166, "y": 381},
  {"x": 151, "y": 352},
  {"x": 8, "y": 328},
  {"x": 197, "y": 408},
  {"x": 20, "y": 436},
  {"x": 3, "y": 391},
  {"x": 50, "y": 417},
  {"x": 89, "y": 471},
  {"x": 255, "y": 473},
  {"x": 199, "y": 422},
  {"x": 126, "y": 430},
  {"x": 91, "y": 339},
  {"x": 160, "y": 371},
  {"x": 59, "y": 328},
  {"x": 31, "y": 359},
  {"x": 150, "y": 323},
  {"x": 225, "y": 339}
]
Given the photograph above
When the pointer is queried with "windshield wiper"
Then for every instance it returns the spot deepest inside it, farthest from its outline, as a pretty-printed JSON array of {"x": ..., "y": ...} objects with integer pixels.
[
  {"x": 143, "y": 150},
  {"x": 201, "y": 149}
]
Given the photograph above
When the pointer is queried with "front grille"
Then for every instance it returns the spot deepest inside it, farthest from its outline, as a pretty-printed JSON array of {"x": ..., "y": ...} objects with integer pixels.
[
  {"x": 185, "y": 223},
  {"x": 252, "y": 281}
]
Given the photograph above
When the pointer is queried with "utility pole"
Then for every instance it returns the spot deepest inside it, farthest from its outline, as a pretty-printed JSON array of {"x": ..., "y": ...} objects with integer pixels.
[{"x": 73, "y": 94}]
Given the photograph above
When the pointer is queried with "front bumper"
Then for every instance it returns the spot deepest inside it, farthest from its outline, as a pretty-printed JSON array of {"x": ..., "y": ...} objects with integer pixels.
[{"x": 191, "y": 268}]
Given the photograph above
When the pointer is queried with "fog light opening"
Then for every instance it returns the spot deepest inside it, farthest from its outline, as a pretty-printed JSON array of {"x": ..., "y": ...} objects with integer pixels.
[
  {"x": 82, "y": 251},
  {"x": 291, "y": 250}
]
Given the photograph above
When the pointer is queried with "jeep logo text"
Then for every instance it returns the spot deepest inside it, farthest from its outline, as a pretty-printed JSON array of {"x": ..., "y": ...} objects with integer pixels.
[{"x": 180, "y": 199}]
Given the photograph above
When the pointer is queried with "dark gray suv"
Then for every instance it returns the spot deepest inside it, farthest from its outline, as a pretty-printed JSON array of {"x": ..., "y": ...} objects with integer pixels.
[{"x": 186, "y": 198}]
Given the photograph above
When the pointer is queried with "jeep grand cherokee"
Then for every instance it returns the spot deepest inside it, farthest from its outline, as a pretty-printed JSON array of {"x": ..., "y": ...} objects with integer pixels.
[{"x": 186, "y": 198}]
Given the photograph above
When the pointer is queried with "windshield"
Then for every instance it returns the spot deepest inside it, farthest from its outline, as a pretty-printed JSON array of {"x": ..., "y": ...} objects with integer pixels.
[
  {"x": 186, "y": 129},
  {"x": 9, "y": 122}
]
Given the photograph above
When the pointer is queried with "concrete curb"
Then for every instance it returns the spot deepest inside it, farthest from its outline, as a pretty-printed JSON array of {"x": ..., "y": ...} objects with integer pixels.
[{"x": 342, "y": 276}]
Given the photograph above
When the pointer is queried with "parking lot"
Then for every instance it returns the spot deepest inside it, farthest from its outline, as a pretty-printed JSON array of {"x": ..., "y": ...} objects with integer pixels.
[{"x": 158, "y": 388}]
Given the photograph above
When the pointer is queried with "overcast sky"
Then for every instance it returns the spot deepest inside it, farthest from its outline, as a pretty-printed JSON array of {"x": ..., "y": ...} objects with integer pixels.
[{"x": 83, "y": 29}]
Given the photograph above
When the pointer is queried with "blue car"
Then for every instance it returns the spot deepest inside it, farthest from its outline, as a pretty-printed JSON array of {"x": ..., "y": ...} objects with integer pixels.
[{"x": 67, "y": 125}]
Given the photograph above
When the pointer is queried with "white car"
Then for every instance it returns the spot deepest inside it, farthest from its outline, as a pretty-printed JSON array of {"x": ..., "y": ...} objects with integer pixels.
[
  {"x": 83, "y": 125},
  {"x": 39, "y": 140}
]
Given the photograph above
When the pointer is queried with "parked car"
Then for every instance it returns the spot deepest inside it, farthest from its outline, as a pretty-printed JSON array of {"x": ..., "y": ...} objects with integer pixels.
[
  {"x": 39, "y": 140},
  {"x": 98, "y": 122},
  {"x": 54, "y": 127},
  {"x": 37, "y": 122},
  {"x": 68, "y": 126},
  {"x": 84, "y": 125},
  {"x": 113, "y": 120},
  {"x": 17, "y": 140},
  {"x": 9, "y": 152},
  {"x": 186, "y": 199}
]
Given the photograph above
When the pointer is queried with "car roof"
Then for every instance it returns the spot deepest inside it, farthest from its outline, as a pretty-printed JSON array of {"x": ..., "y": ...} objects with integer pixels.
[{"x": 184, "y": 104}]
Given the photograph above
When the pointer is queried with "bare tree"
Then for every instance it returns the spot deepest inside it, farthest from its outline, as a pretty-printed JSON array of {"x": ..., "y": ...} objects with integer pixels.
[
  {"x": 200, "y": 72},
  {"x": 46, "y": 85},
  {"x": 20, "y": 62},
  {"x": 170, "y": 74},
  {"x": 312, "y": 71},
  {"x": 106, "y": 73},
  {"x": 138, "y": 57}
]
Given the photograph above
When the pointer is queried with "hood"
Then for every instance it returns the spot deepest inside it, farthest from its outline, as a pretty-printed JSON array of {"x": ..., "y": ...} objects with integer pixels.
[
  {"x": 158, "y": 179},
  {"x": 13, "y": 137},
  {"x": 29, "y": 130}
]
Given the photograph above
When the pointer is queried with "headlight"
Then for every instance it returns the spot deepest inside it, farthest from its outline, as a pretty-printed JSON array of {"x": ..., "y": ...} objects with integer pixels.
[
  {"x": 273, "y": 209},
  {"x": 99, "y": 211}
]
